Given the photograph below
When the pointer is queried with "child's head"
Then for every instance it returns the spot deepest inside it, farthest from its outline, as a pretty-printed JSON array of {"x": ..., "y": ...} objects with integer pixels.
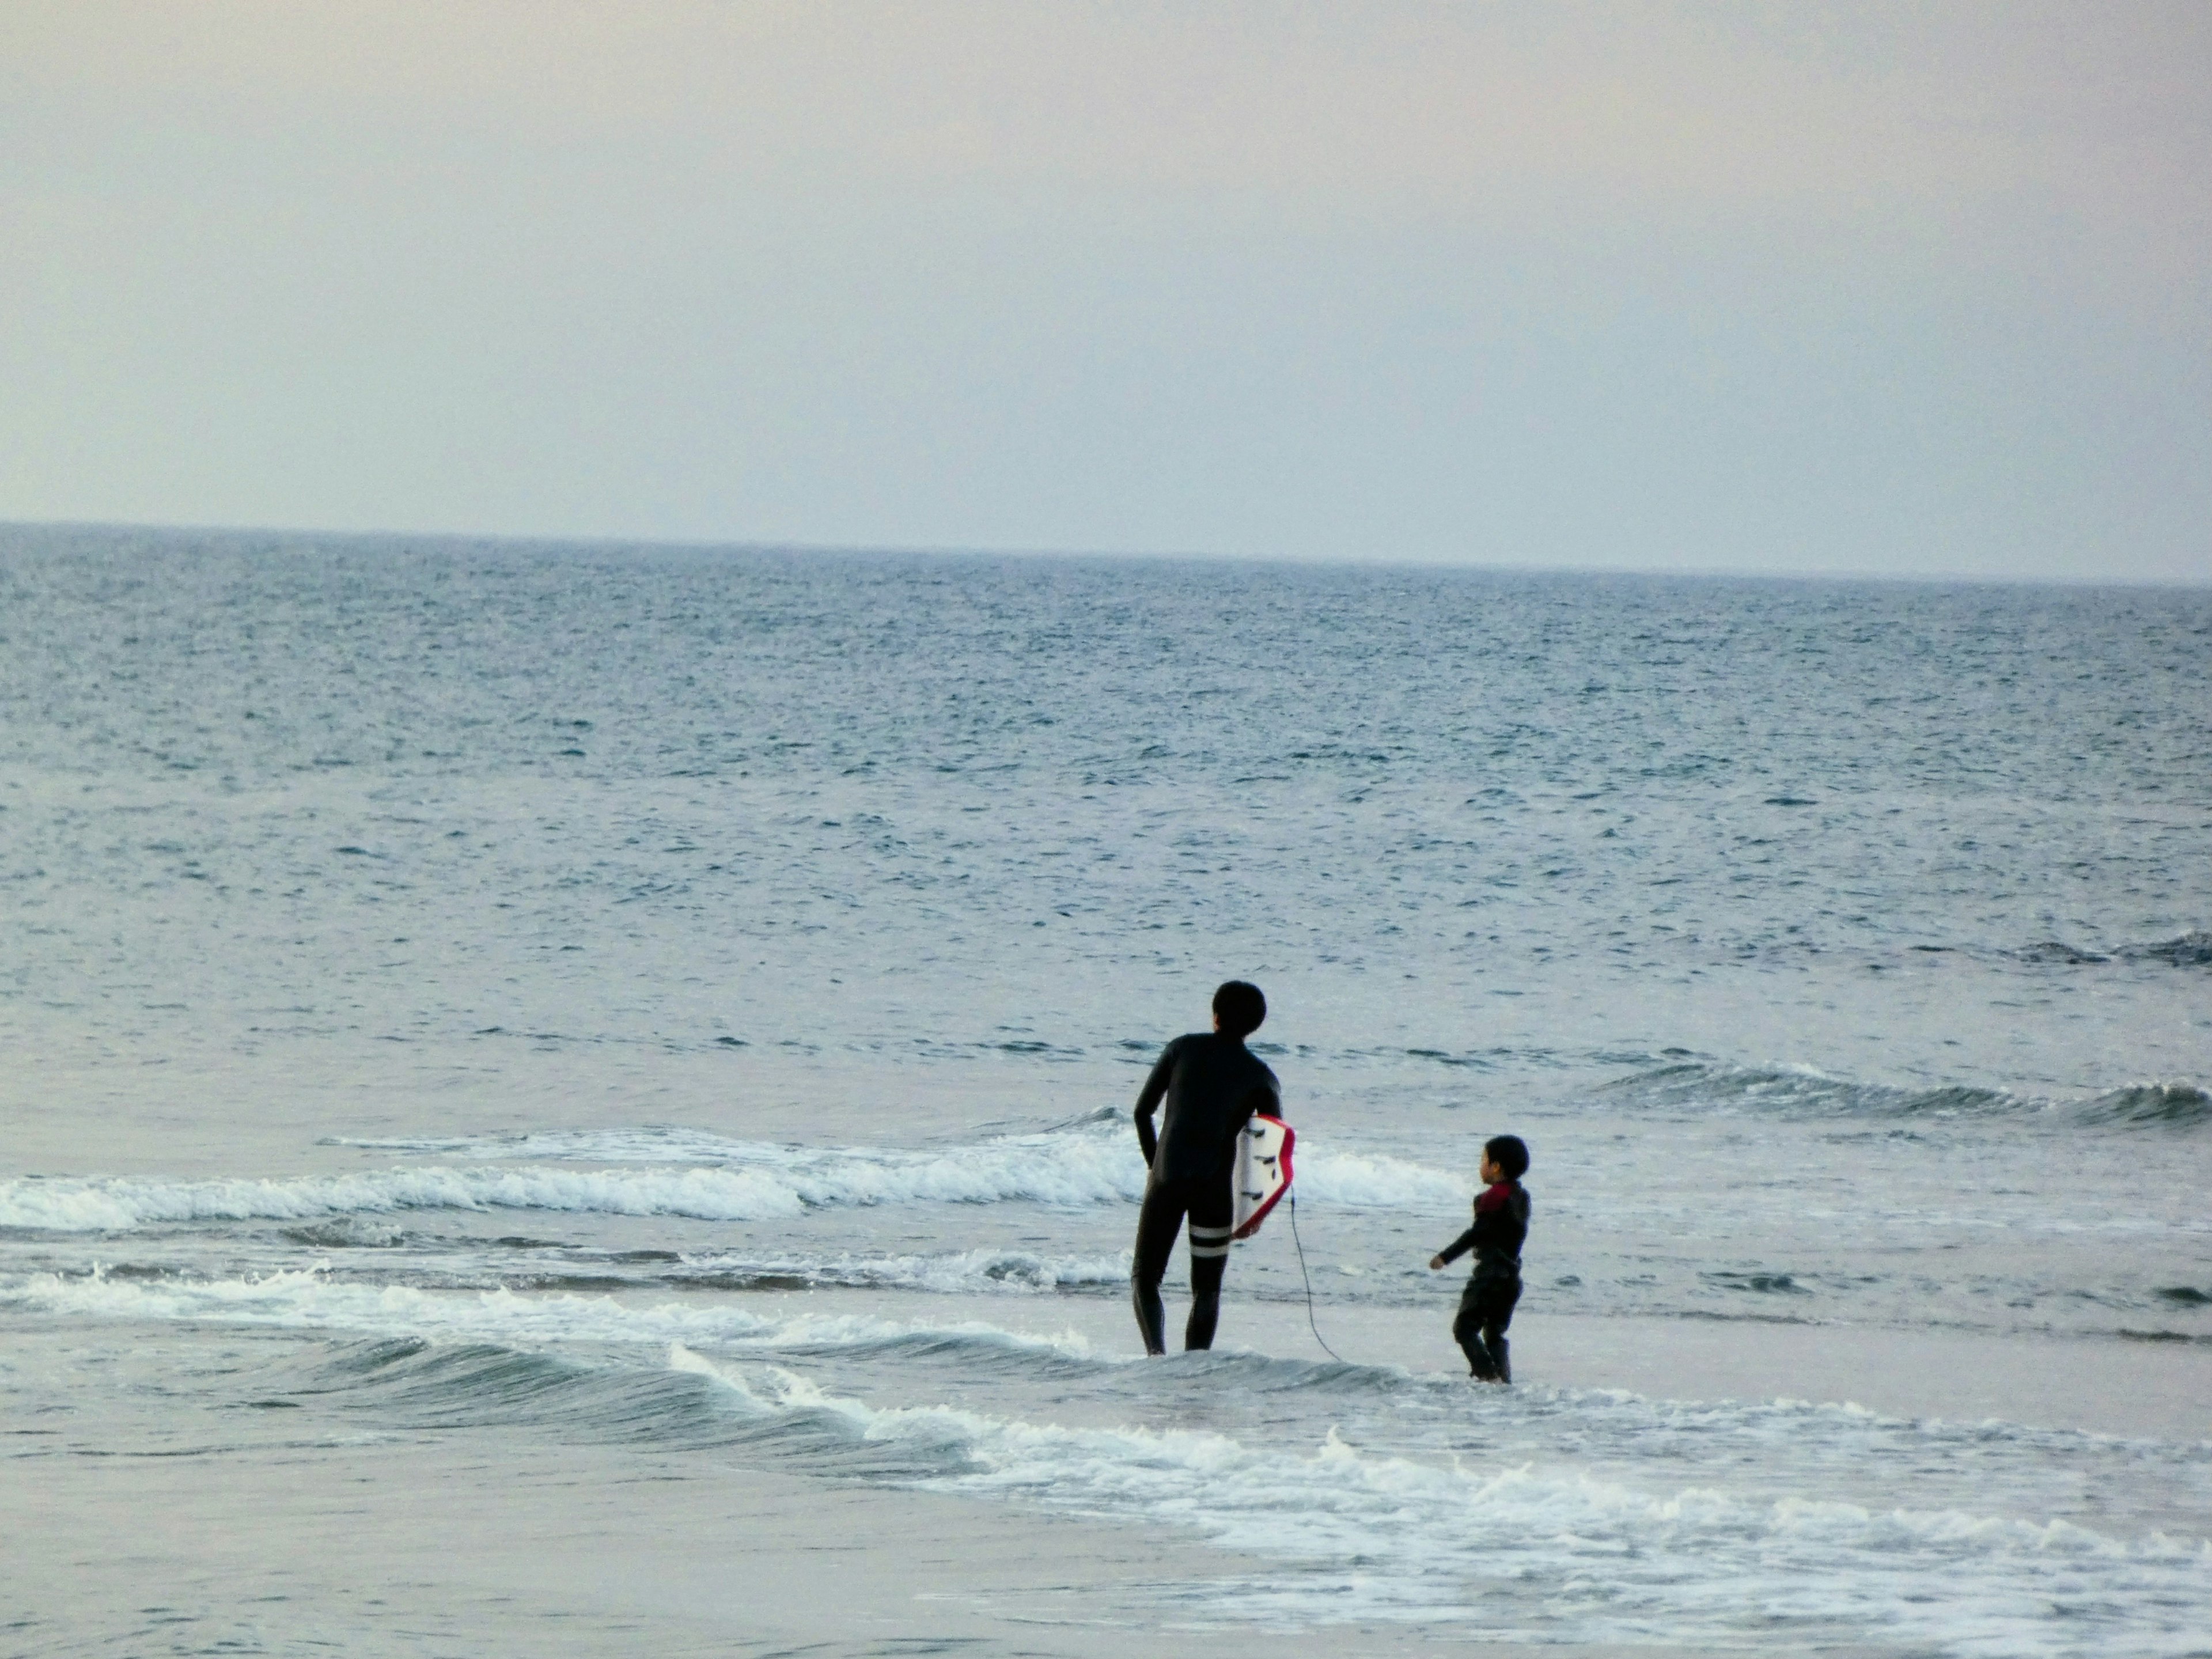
[
  {"x": 1239, "y": 1010},
  {"x": 1508, "y": 1155}
]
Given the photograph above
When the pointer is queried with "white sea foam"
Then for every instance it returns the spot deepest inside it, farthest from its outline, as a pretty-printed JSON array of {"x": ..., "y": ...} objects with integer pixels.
[
  {"x": 313, "y": 1300},
  {"x": 1552, "y": 1553},
  {"x": 1409, "y": 1534},
  {"x": 749, "y": 1181}
]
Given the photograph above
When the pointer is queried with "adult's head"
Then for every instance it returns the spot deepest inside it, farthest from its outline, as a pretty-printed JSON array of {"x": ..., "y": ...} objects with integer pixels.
[{"x": 1239, "y": 1010}]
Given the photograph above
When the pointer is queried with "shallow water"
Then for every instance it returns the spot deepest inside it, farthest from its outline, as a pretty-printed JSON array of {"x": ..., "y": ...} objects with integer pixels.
[{"x": 691, "y": 1001}]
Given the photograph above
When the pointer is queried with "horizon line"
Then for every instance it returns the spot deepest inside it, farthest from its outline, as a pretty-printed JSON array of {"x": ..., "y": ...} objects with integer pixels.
[{"x": 579, "y": 541}]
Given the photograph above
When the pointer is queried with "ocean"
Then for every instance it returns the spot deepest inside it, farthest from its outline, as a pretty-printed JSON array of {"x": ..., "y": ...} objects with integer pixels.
[{"x": 575, "y": 1099}]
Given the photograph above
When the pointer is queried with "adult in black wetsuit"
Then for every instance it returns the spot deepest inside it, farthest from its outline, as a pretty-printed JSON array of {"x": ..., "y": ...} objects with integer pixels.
[
  {"x": 1211, "y": 1084},
  {"x": 1501, "y": 1226}
]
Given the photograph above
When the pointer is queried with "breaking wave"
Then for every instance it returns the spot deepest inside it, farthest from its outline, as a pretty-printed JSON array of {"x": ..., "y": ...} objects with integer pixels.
[{"x": 745, "y": 1181}]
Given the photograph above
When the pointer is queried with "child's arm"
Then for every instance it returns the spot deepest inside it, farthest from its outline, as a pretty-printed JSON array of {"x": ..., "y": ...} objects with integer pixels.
[
  {"x": 1452, "y": 1252},
  {"x": 1492, "y": 1223}
]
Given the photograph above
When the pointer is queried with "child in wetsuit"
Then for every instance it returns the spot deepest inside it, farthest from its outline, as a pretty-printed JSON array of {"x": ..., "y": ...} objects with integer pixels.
[{"x": 1501, "y": 1222}]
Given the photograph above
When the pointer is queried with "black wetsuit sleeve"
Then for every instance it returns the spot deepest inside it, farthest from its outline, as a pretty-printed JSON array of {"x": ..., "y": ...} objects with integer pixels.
[
  {"x": 1501, "y": 1222},
  {"x": 1266, "y": 1098},
  {"x": 1458, "y": 1247},
  {"x": 1148, "y": 1102},
  {"x": 1261, "y": 1100}
]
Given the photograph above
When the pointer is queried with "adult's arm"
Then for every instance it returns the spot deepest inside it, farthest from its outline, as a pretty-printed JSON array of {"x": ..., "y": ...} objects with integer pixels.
[
  {"x": 1148, "y": 1102},
  {"x": 1265, "y": 1098}
]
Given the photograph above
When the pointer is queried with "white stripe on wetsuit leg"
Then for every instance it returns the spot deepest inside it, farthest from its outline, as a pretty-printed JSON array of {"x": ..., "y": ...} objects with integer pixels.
[{"x": 1209, "y": 1241}]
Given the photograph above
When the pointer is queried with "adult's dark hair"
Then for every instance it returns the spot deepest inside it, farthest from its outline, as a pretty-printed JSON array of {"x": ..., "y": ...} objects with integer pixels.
[
  {"x": 1510, "y": 1154},
  {"x": 1240, "y": 1008}
]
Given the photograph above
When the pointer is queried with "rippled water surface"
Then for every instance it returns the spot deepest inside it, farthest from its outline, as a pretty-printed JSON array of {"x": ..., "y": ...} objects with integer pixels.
[{"x": 692, "y": 1000}]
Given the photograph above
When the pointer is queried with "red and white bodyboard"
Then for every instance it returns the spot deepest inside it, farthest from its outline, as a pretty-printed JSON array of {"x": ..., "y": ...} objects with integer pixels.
[{"x": 1263, "y": 1170}]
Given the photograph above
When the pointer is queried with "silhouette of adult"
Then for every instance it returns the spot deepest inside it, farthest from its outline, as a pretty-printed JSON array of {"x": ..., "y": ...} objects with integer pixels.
[{"x": 1211, "y": 1084}]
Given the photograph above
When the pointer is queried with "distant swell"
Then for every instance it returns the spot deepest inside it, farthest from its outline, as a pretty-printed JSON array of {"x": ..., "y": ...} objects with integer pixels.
[
  {"x": 2151, "y": 1103},
  {"x": 2191, "y": 949},
  {"x": 1699, "y": 1085},
  {"x": 1702, "y": 1087}
]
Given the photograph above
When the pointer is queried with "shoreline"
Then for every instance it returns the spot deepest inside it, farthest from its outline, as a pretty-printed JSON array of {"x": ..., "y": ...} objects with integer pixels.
[{"x": 202, "y": 1527}]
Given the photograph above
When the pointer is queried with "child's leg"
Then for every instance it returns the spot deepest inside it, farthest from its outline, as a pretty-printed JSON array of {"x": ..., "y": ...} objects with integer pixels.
[
  {"x": 1466, "y": 1331},
  {"x": 1498, "y": 1314}
]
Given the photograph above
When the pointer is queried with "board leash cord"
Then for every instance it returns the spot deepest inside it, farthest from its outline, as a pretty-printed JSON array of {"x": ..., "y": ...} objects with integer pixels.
[{"x": 1293, "y": 1196}]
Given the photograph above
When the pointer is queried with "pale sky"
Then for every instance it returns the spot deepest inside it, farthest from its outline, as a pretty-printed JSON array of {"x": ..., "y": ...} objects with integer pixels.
[{"x": 1914, "y": 288}]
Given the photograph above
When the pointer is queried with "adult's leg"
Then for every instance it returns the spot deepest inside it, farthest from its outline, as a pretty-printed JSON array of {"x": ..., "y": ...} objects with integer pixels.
[
  {"x": 1211, "y": 1215},
  {"x": 1208, "y": 1260},
  {"x": 1158, "y": 1221}
]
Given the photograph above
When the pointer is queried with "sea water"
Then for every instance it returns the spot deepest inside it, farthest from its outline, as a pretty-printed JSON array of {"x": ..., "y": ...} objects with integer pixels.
[{"x": 690, "y": 1000}]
